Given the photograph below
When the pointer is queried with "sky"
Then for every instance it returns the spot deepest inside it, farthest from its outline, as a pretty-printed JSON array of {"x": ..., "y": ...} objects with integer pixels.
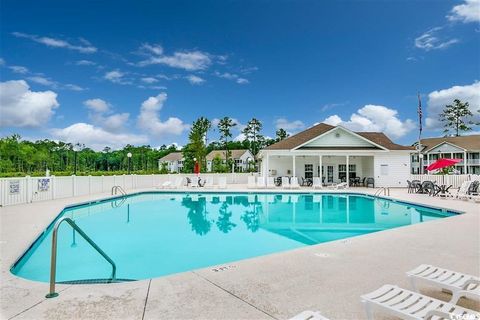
[{"x": 140, "y": 72}]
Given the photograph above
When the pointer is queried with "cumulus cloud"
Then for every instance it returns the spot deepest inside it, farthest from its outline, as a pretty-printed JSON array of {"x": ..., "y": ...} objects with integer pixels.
[
  {"x": 149, "y": 80},
  {"x": 187, "y": 60},
  {"x": 374, "y": 118},
  {"x": 438, "y": 99},
  {"x": 85, "y": 63},
  {"x": 432, "y": 40},
  {"x": 43, "y": 81},
  {"x": 85, "y": 47},
  {"x": 21, "y": 107},
  {"x": 18, "y": 69},
  {"x": 469, "y": 11},
  {"x": 97, "y": 105},
  {"x": 289, "y": 125},
  {"x": 231, "y": 76},
  {"x": 149, "y": 118},
  {"x": 116, "y": 76},
  {"x": 95, "y": 137},
  {"x": 193, "y": 79}
]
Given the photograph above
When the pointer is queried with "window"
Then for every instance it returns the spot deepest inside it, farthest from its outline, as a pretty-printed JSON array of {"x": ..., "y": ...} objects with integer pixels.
[
  {"x": 308, "y": 171},
  {"x": 342, "y": 171}
]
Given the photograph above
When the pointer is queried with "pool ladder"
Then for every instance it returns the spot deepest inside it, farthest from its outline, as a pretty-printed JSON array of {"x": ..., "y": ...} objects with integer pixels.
[
  {"x": 385, "y": 190},
  {"x": 53, "y": 262},
  {"x": 118, "y": 189}
]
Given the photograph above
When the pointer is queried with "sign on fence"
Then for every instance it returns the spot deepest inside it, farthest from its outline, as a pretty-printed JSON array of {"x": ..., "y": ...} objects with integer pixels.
[
  {"x": 43, "y": 184},
  {"x": 14, "y": 187}
]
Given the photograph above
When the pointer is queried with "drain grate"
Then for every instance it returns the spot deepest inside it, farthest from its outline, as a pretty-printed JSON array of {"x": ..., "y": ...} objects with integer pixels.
[
  {"x": 95, "y": 281},
  {"x": 224, "y": 268}
]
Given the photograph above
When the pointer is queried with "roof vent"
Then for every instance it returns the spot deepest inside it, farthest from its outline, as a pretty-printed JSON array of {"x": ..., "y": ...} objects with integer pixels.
[{"x": 337, "y": 135}]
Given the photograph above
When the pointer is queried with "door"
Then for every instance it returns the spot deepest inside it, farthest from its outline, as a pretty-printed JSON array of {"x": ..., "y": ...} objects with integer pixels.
[
  {"x": 308, "y": 171},
  {"x": 330, "y": 174}
]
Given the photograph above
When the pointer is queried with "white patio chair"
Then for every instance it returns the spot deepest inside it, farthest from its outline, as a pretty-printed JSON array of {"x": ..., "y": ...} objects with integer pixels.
[
  {"x": 222, "y": 182},
  {"x": 285, "y": 183},
  {"x": 271, "y": 183},
  {"x": 165, "y": 185},
  {"x": 411, "y": 305},
  {"x": 444, "y": 279},
  {"x": 208, "y": 182},
  {"x": 261, "y": 182},
  {"x": 309, "y": 315},
  {"x": 251, "y": 182},
  {"x": 341, "y": 185},
  {"x": 294, "y": 183},
  {"x": 462, "y": 192},
  {"x": 194, "y": 182},
  {"x": 317, "y": 183}
]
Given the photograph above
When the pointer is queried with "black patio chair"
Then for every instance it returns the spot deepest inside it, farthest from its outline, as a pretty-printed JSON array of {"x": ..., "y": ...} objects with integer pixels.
[
  {"x": 410, "y": 186},
  {"x": 363, "y": 181},
  {"x": 370, "y": 182},
  {"x": 473, "y": 189}
]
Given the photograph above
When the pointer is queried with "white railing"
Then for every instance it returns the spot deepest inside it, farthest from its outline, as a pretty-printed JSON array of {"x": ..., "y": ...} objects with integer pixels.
[
  {"x": 33, "y": 189},
  {"x": 454, "y": 180}
]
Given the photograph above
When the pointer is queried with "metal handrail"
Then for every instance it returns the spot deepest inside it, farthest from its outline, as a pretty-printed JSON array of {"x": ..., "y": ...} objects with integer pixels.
[
  {"x": 386, "y": 191},
  {"x": 119, "y": 189},
  {"x": 53, "y": 261}
]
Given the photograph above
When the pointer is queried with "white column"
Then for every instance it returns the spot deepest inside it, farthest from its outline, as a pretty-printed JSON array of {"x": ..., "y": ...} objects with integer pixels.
[
  {"x": 320, "y": 165},
  {"x": 464, "y": 162},
  {"x": 294, "y": 170},
  {"x": 348, "y": 172},
  {"x": 267, "y": 169}
]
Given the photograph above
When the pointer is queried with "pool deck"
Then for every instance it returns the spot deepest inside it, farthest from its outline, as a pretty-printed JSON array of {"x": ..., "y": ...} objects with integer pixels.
[{"x": 329, "y": 277}]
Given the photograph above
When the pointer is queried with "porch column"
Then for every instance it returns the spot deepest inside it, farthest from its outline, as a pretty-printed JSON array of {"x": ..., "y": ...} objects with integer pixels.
[
  {"x": 267, "y": 166},
  {"x": 320, "y": 173},
  {"x": 294, "y": 170},
  {"x": 348, "y": 172},
  {"x": 464, "y": 162}
]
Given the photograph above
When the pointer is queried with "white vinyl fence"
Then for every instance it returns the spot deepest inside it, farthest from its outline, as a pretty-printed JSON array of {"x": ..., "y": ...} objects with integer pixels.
[
  {"x": 454, "y": 180},
  {"x": 32, "y": 189}
]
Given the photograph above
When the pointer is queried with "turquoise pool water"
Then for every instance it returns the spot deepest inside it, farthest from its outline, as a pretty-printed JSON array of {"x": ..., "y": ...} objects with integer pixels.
[{"x": 154, "y": 234}]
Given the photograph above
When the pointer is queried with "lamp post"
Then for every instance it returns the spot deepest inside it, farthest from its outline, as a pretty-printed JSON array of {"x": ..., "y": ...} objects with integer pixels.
[{"x": 129, "y": 156}]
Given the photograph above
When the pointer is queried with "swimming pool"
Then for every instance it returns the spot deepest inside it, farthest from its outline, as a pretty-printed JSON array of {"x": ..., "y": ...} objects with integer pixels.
[{"x": 154, "y": 234}]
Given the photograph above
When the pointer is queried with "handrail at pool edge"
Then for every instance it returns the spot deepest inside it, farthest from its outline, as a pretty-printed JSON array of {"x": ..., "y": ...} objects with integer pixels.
[{"x": 53, "y": 261}]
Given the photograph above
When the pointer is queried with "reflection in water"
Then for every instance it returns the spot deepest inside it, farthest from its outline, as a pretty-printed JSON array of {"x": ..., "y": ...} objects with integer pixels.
[
  {"x": 223, "y": 223},
  {"x": 197, "y": 215}
]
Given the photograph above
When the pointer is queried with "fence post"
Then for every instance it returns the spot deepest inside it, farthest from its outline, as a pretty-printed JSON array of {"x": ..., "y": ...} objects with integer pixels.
[
  {"x": 74, "y": 185},
  {"x": 54, "y": 188},
  {"x": 89, "y": 184},
  {"x": 28, "y": 189}
]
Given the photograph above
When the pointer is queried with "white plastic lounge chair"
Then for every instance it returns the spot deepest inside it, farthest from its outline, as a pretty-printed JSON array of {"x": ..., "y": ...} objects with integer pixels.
[
  {"x": 208, "y": 182},
  {"x": 222, "y": 182},
  {"x": 317, "y": 183},
  {"x": 444, "y": 279},
  {"x": 285, "y": 198},
  {"x": 178, "y": 183},
  {"x": 251, "y": 182},
  {"x": 271, "y": 182},
  {"x": 285, "y": 183},
  {"x": 165, "y": 185},
  {"x": 341, "y": 185},
  {"x": 194, "y": 182},
  {"x": 309, "y": 315},
  {"x": 294, "y": 183},
  {"x": 261, "y": 182},
  {"x": 462, "y": 192},
  {"x": 411, "y": 305}
]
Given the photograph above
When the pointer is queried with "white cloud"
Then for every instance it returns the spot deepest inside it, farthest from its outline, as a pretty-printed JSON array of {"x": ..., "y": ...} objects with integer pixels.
[
  {"x": 21, "y": 107},
  {"x": 85, "y": 63},
  {"x": 431, "y": 40},
  {"x": 242, "y": 81},
  {"x": 73, "y": 87},
  {"x": 149, "y": 80},
  {"x": 289, "y": 125},
  {"x": 97, "y": 105},
  {"x": 149, "y": 118},
  {"x": 437, "y": 100},
  {"x": 374, "y": 118},
  {"x": 58, "y": 43},
  {"x": 115, "y": 76},
  {"x": 187, "y": 60},
  {"x": 466, "y": 12},
  {"x": 231, "y": 76},
  {"x": 43, "y": 81},
  {"x": 193, "y": 79},
  {"x": 115, "y": 122},
  {"x": 18, "y": 69},
  {"x": 95, "y": 137},
  {"x": 2, "y": 62}
]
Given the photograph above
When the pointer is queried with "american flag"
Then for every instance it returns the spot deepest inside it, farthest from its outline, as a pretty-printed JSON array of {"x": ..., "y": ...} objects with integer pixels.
[{"x": 420, "y": 114}]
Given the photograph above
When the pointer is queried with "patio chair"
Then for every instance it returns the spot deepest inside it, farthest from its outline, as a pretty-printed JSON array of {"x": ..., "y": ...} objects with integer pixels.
[
  {"x": 165, "y": 185},
  {"x": 195, "y": 182},
  {"x": 446, "y": 280},
  {"x": 294, "y": 183},
  {"x": 251, "y": 182},
  {"x": 411, "y": 305},
  {"x": 261, "y": 182},
  {"x": 410, "y": 186},
  {"x": 208, "y": 182},
  {"x": 341, "y": 185},
  {"x": 285, "y": 183},
  {"x": 187, "y": 181},
  {"x": 317, "y": 183},
  {"x": 271, "y": 182},
  {"x": 370, "y": 182},
  {"x": 473, "y": 188},
  {"x": 309, "y": 315},
  {"x": 363, "y": 181},
  {"x": 462, "y": 192},
  {"x": 222, "y": 182}
]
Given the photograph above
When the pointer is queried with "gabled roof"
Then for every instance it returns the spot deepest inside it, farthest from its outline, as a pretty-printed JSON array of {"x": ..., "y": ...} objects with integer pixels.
[
  {"x": 301, "y": 138},
  {"x": 234, "y": 154},
  {"x": 173, "y": 156},
  {"x": 471, "y": 142}
]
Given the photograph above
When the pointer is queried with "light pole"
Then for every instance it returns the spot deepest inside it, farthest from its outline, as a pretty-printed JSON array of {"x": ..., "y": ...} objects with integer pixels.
[{"x": 129, "y": 156}]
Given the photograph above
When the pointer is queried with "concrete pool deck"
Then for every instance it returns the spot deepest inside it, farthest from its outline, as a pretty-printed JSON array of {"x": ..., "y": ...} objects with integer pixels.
[{"x": 329, "y": 277}]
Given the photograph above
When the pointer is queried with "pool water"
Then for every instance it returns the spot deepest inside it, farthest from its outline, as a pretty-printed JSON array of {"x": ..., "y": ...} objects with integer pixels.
[{"x": 154, "y": 234}]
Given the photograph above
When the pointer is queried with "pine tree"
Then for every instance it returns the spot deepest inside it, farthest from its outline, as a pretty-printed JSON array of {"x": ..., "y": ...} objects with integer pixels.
[{"x": 455, "y": 117}]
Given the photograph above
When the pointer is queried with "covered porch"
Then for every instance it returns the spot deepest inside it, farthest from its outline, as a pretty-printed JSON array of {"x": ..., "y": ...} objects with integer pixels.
[{"x": 332, "y": 167}]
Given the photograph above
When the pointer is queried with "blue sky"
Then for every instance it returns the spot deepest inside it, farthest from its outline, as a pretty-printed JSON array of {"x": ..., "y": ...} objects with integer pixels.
[{"x": 110, "y": 73}]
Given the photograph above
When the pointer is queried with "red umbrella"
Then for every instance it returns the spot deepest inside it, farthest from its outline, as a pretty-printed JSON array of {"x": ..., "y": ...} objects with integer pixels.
[
  {"x": 442, "y": 163},
  {"x": 196, "y": 168}
]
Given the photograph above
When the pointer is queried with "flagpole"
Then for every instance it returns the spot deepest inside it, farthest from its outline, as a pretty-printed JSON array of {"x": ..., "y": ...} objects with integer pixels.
[{"x": 419, "y": 146}]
